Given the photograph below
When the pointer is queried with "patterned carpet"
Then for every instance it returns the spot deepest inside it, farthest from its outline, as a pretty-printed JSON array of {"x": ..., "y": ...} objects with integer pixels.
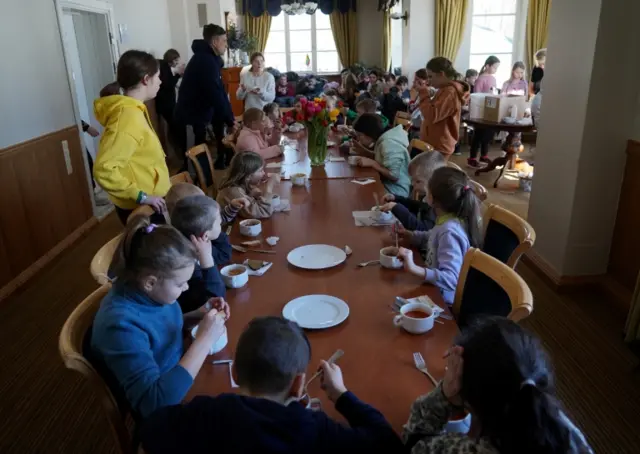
[{"x": 46, "y": 409}]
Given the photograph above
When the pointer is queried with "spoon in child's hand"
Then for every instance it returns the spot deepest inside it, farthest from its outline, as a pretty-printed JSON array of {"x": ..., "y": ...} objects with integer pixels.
[{"x": 375, "y": 197}]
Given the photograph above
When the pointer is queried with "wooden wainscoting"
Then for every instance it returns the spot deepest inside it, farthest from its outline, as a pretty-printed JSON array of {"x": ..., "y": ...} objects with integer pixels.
[
  {"x": 624, "y": 258},
  {"x": 42, "y": 206}
]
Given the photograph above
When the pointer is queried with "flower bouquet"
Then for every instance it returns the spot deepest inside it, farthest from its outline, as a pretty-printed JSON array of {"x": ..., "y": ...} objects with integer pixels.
[{"x": 317, "y": 118}]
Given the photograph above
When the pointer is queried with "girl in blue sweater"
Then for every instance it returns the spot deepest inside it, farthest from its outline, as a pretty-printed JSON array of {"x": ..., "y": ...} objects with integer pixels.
[
  {"x": 137, "y": 332},
  {"x": 457, "y": 228}
]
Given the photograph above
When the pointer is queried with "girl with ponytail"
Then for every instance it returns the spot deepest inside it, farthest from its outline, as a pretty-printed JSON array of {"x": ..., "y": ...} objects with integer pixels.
[
  {"x": 457, "y": 228},
  {"x": 137, "y": 332},
  {"x": 500, "y": 373}
]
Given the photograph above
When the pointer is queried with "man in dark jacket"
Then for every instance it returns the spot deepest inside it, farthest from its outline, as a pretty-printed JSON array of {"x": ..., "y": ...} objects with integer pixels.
[{"x": 202, "y": 98}]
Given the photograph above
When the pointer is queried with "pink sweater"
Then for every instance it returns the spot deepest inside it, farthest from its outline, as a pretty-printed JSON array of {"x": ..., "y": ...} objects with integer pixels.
[
  {"x": 515, "y": 87},
  {"x": 251, "y": 140},
  {"x": 484, "y": 83}
]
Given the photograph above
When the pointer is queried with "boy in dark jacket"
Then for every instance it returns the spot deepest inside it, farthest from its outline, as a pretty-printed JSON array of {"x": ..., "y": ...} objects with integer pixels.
[
  {"x": 393, "y": 101},
  {"x": 202, "y": 98},
  {"x": 271, "y": 360}
]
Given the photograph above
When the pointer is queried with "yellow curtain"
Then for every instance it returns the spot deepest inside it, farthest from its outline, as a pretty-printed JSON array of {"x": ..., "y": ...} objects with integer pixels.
[
  {"x": 632, "y": 328},
  {"x": 451, "y": 16},
  {"x": 537, "y": 27},
  {"x": 345, "y": 33},
  {"x": 259, "y": 28},
  {"x": 386, "y": 40}
]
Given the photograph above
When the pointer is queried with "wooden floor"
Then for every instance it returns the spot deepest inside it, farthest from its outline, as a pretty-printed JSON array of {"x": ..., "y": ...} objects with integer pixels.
[{"x": 46, "y": 409}]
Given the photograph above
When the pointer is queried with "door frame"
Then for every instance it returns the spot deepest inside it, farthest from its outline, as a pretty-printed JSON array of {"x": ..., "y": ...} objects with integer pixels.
[{"x": 93, "y": 6}]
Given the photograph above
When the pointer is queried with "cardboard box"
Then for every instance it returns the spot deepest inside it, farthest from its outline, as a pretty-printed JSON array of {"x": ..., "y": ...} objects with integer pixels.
[
  {"x": 476, "y": 105},
  {"x": 497, "y": 107}
]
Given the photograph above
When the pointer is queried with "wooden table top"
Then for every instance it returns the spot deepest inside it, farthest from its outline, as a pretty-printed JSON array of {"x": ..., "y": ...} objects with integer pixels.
[
  {"x": 296, "y": 160},
  {"x": 378, "y": 361},
  {"x": 499, "y": 125}
]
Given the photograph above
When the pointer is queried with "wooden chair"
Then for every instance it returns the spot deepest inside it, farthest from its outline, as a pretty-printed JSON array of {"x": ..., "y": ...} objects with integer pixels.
[
  {"x": 479, "y": 190},
  {"x": 100, "y": 263},
  {"x": 228, "y": 141},
  {"x": 145, "y": 210},
  {"x": 71, "y": 344},
  {"x": 487, "y": 286},
  {"x": 182, "y": 177},
  {"x": 506, "y": 235},
  {"x": 418, "y": 144},
  {"x": 402, "y": 120},
  {"x": 453, "y": 165},
  {"x": 196, "y": 154}
]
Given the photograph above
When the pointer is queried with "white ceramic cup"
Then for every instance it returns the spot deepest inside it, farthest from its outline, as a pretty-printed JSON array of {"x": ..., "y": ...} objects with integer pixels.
[
  {"x": 298, "y": 179},
  {"x": 381, "y": 216},
  {"x": 250, "y": 227},
  {"x": 218, "y": 344},
  {"x": 235, "y": 280},
  {"x": 415, "y": 325},
  {"x": 389, "y": 258},
  {"x": 353, "y": 160},
  {"x": 459, "y": 426},
  {"x": 275, "y": 201}
]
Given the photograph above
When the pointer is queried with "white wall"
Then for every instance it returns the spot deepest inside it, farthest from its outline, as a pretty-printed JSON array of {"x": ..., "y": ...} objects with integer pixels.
[
  {"x": 419, "y": 36},
  {"x": 34, "y": 93},
  {"x": 147, "y": 22}
]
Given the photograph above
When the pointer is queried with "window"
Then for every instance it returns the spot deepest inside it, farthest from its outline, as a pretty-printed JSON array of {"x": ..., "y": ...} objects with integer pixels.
[
  {"x": 396, "y": 37},
  {"x": 302, "y": 43},
  {"x": 492, "y": 33}
]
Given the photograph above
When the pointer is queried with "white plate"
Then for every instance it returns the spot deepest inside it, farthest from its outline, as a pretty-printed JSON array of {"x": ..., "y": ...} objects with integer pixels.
[
  {"x": 316, "y": 311},
  {"x": 316, "y": 257}
]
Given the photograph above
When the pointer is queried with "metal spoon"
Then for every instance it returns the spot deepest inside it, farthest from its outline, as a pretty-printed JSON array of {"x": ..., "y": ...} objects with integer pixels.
[{"x": 370, "y": 262}]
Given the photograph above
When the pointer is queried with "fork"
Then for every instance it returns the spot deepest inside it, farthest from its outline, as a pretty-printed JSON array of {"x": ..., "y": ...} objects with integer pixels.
[
  {"x": 422, "y": 367},
  {"x": 244, "y": 249}
]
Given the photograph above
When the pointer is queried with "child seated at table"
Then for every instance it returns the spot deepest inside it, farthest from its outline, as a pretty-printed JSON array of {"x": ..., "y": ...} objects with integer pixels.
[
  {"x": 457, "y": 228},
  {"x": 393, "y": 101},
  {"x": 391, "y": 158},
  {"x": 136, "y": 336},
  {"x": 500, "y": 373},
  {"x": 221, "y": 249},
  {"x": 376, "y": 85},
  {"x": 252, "y": 136},
  {"x": 267, "y": 416},
  {"x": 416, "y": 214},
  {"x": 275, "y": 126},
  {"x": 285, "y": 92},
  {"x": 198, "y": 218},
  {"x": 367, "y": 105},
  {"x": 246, "y": 172}
]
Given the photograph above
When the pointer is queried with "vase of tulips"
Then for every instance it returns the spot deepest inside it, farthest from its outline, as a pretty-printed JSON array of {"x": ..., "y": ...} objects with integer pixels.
[{"x": 318, "y": 119}]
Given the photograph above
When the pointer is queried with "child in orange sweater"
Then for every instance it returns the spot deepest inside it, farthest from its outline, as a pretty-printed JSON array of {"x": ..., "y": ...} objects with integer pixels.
[
  {"x": 252, "y": 136},
  {"x": 441, "y": 104}
]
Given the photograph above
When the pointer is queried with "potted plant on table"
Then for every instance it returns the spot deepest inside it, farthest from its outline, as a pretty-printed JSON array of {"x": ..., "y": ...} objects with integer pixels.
[{"x": 318, "y": 120}]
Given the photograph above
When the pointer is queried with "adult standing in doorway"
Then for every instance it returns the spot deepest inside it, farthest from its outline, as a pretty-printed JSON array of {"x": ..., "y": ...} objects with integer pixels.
[
  {"x": 202, "y": 98},
  {"x": 170, "y": 72},
  {"x": 130, "y": 165},
  {"x": 257, "y": 86}
]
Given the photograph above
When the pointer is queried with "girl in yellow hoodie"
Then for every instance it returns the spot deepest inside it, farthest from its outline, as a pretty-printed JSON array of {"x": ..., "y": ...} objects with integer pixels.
[{"x": 130, "y": 165}]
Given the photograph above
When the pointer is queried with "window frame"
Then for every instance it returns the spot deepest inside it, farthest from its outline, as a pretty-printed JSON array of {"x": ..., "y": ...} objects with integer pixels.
[
  {"x": 313, "y": 53},
  {"x": 519, "y": 34}
]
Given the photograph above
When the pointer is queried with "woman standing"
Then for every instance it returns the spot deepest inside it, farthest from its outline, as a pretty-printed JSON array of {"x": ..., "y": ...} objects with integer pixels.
[
  {"x": 130, "y": 165},
  {"x": 257, "y": 87},
  {"x": 170, "y": 72}
]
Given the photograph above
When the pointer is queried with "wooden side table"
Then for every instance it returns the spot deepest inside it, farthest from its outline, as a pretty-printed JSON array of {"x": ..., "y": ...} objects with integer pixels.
[
  {"x": 511, "y": 148},
  {"x": 231, "y": 80}
]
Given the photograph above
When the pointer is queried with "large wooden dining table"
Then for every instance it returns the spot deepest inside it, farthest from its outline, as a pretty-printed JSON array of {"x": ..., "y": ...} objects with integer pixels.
[{"x": 378, "y": 360}]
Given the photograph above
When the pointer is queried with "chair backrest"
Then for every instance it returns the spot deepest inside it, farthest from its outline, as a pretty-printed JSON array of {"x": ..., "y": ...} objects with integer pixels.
[
  {"x": 182, "y": 177},
  {"x": 402, "y": 114},
  {"x": 144, "y": 210},
  {"x": 419, "y": 144},
  {"x": 400, "y": 120},
  {"x": 203, "y": 163},
  {"x": 229, "y": 142},
  {"x": 487, "y": 286},
  {"x": 100, "y": 263},
  {"x": 71, "y": 345},
  {"x": 453, "y": 165},
  {"x": 506, "y": 235},
  {"x": 479, "y": 190}
]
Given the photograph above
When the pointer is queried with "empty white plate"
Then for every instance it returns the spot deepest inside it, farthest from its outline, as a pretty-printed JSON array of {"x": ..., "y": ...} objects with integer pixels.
[
  {"x": 316, "y": 311},
  {"x": 316, "y": 256}
]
